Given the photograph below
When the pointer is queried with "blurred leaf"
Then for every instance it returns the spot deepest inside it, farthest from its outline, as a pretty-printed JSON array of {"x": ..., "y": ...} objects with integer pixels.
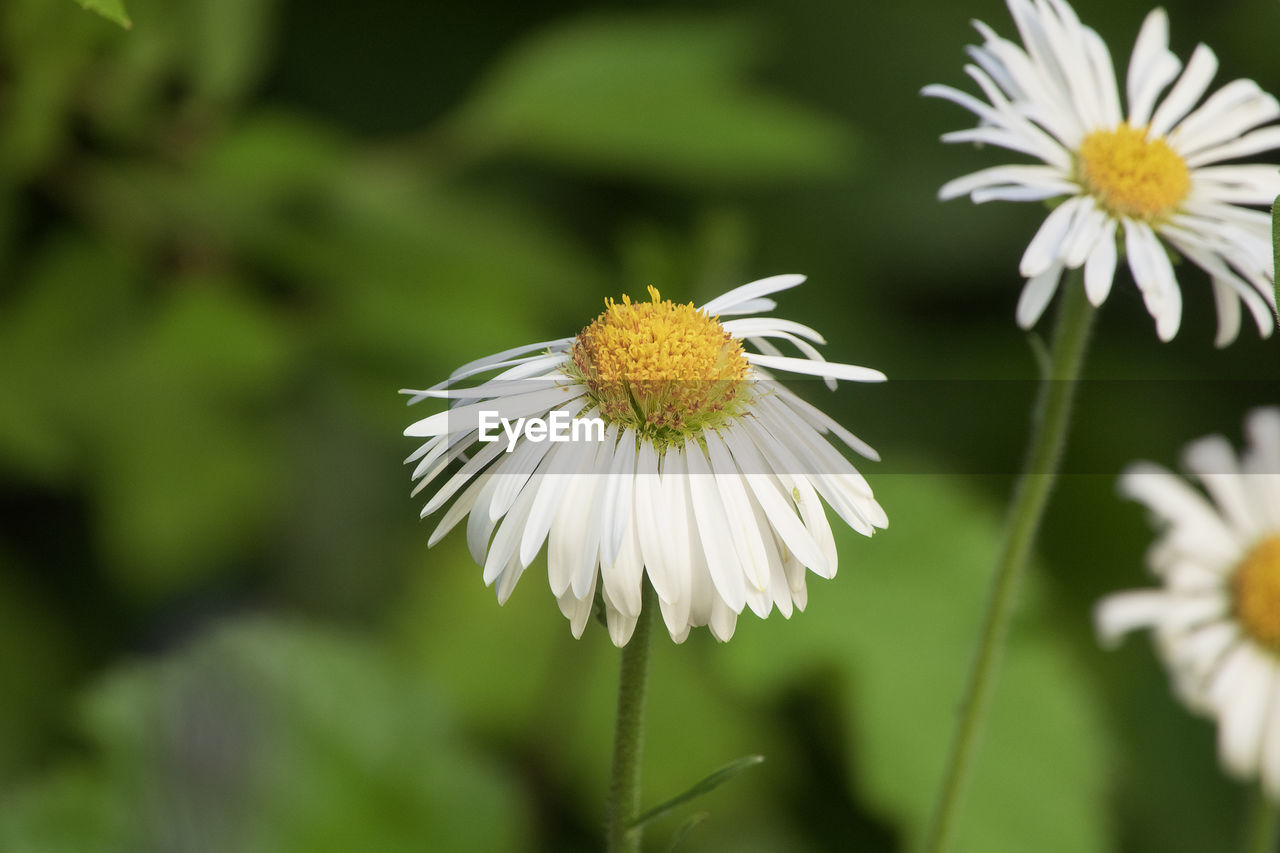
[
  {"x": 46, "y": 47},
  {"x": 658, "y": 97},
  {"x": 901, "y": 620},
  {"x": 381, "y": 252},
  {"x": 268, "y": 737},
  {"x": 187, "y": 467},
  {"x": 226, "y": 45},
  {"x": 162, "y": 412},
  {"x": 56, "y": 335},
  {"x": 112, "y": 10},
  {"x": 710, "y": 783}
]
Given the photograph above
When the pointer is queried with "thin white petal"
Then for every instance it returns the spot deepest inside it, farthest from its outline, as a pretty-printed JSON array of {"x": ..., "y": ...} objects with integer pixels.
[
  {"x": 1184, "y": 94},
  {"x": 752, "y": 290},
  {"x": 1036, "y": 294},
  {"x": 835, "y": 370}
]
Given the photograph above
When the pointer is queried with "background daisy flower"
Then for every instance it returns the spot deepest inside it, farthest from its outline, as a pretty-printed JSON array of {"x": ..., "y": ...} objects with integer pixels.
[
  {"x": 1135, "y": 183},
  {"x": 1216, "y": 618},
  {"x": 707, "y": 480}
]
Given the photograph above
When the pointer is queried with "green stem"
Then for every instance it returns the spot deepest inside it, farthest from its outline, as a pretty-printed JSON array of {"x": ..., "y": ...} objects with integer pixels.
[
  {"x": 1052, "y": 415},
  {"x": 1262, "y": 834},
  {"x": 628, "y": 737}
]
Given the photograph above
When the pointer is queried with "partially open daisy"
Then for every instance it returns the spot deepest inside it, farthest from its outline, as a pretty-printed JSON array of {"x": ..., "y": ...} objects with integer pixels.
[
  {"x": 1216, "y": 619},
  {"x": 1143, "y": 181},
  {"x": 693, "y": 468}
]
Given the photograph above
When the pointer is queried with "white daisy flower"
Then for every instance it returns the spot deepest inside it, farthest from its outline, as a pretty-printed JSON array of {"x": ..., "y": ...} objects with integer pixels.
[
  {"x": 1216, "y": 619},
  {"x": 693, "y": 469},
  {"x": 1144, "y": 182}
]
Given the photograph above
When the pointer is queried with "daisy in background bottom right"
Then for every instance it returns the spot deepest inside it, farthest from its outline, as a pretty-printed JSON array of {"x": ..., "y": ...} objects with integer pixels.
[{"x": 1215, "y": 617}]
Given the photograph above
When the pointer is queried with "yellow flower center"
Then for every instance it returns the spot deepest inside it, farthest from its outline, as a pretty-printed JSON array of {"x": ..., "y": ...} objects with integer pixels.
[
  {"x": 1131, "y": 175},
  {"x": 668, "y": 370},
  {"x": 1256, "y": 585}
]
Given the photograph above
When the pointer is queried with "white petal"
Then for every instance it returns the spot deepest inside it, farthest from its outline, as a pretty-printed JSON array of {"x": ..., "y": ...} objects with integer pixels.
[
  {"x": 1215, "y": 463},
  {"x": 1100, "y": 266},
  {"x": 683, "y": 555},
  {"x": 1189, "y": 88},
  {"x": 1086, "y": 228},
  {"x": 1243, "y": 698},
  {"x": 563, "y": 462},
  {"x": 713, "y": 530},
  {"x": 465, "y": 418},
  {"x": 649, "y": 528},
  {"x": 1118, "y": 614},
  {"x": 1228, "y": 304},
  {"x": 835, "y": 370},
  {"x": 753, "y": 290},
  {"x": 1151, "y": 67},
  {"x": 780, "y": 515},
  {"x": 1155, "y": 278},
  {"x": 746, "y": 536},
  {"x": 1036, "y": 294},
  {"x": 624, "y": 578},
  {"x": 1182, "y": 506},
  {"x": 621, "y": 626},
  {"x": 1045, "y": 249},
  {"x": 463, "y": 505},
  {"x": 577, "y": 610}
]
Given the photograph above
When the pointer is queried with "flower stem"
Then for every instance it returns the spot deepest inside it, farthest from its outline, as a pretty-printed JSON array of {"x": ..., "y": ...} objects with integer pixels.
[
  {"x": 628, "y": 737},
  {"x": 1262, "y": 833},
  {"x": 1052, "y": 415}
]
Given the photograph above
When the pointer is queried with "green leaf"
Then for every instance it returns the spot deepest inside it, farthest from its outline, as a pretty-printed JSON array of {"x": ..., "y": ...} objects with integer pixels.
[
  {"x": 710, "y": 783},
  {"x": 112, "y": 10},
  {"x": 901, "y": 619},
  {"x": 662, "y": 97}
]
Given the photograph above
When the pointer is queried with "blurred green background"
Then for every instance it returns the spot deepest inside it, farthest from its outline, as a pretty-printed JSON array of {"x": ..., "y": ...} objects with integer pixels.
[{"x": 231, "y": 233}]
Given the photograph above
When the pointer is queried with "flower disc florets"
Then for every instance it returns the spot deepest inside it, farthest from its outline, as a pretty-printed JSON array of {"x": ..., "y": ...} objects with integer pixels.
[
  {"x": 1256, "y": 590},
  {"x": 666, "y": 370},
  {"x": 1131, "y": 175}
]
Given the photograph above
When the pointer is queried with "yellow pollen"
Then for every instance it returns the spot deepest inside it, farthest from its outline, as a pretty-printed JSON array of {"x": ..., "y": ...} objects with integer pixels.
[
  {"x": 1130, "y": 175},
  {"x": 666, "y": 369},
  {"x": 1256, "y": 585}
]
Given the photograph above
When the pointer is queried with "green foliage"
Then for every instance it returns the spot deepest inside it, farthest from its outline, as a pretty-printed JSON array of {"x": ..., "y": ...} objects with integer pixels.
[
  {"x": 651, "y": 97},
  {"x": 900, "y": 621},
  {"x": 702, "y": 786},
  {"x": 211, "y": 286},
  {"x": 269, "y": 736},
  {"x": 112, "y": 10}
]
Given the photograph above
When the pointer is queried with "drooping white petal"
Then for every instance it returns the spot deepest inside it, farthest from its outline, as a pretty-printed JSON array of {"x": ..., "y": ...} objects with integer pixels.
[
  {"x": 1045, "y": 249},
  {"x": 1036, "y": 294},
  {"x": 835, "y": 370},
  {"x": 713, "y": 530}
]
